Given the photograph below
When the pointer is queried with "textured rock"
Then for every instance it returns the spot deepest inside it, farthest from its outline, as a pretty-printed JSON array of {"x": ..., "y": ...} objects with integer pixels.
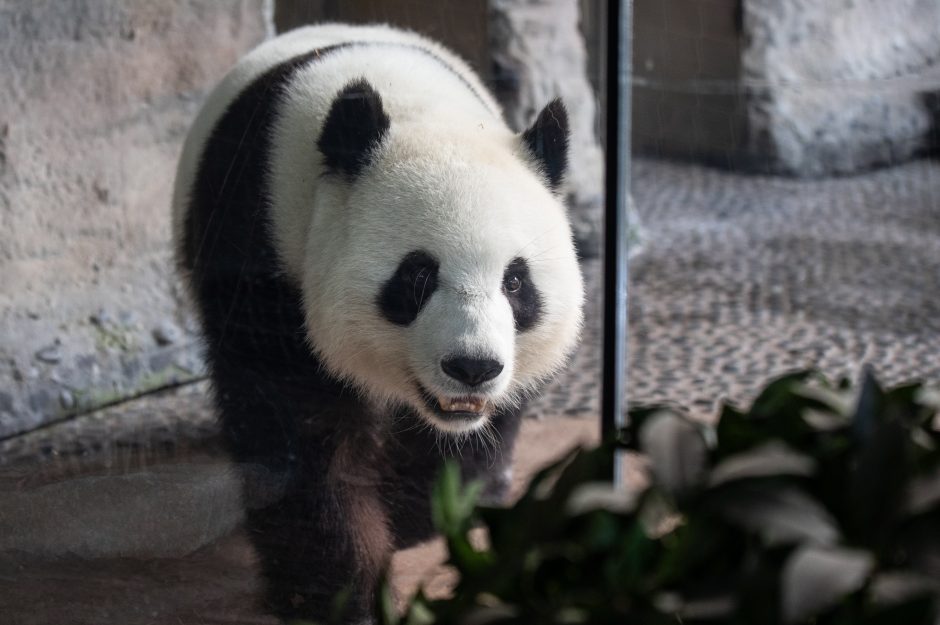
[
  {"x": 539, "y": 54},
  {"x": 799, "y": 87},
  {"x": 166, "y": 333},
  {"x": 97, "y": 98},
  {"x": 846, "y": 81}
]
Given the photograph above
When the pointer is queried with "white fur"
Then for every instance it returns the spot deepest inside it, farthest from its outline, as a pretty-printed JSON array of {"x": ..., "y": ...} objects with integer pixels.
[
  {"x": 449, "y": 179},
  {"x": 267, "y": 55}
]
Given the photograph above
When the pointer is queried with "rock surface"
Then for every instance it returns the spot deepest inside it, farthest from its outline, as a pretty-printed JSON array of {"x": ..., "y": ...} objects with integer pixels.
[
  {"x": 843, "y": 83},
  {"x": 98, "y": 95},
  {"x": 797, "y": 87}
]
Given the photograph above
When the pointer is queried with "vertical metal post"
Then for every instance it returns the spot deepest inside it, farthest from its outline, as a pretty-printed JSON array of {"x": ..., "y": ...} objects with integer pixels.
[{"x": 617, "y": 194}]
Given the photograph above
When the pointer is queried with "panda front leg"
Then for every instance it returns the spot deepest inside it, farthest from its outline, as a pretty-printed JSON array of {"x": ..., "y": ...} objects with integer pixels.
[
  {"x": 314, "y": 513},
  {"x": 316, "y": 544}
]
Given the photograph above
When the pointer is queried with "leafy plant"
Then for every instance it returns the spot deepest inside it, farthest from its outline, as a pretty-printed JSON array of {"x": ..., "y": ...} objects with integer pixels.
[{"x": 819, "y": 504}]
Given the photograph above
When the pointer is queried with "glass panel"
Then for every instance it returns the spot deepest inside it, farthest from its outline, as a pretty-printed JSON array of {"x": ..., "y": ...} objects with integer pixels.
[
  {"x": 383, "y": 252},
  {"x": 786, "y": 185},
  {"x": 783, "y": 308}
]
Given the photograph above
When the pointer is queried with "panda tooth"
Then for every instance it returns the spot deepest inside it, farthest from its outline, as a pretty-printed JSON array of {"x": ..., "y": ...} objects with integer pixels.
[{"x": 462, "y": 404}]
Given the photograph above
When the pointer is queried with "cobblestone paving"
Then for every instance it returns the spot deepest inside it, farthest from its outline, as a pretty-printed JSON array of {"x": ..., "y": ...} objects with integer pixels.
[{"x": 746, "y": 277}]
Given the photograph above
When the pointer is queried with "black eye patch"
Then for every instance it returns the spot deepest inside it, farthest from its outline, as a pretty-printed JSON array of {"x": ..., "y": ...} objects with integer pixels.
[
  {"x": 523, "y": 297},
  {"x": 409, "y": 289}
]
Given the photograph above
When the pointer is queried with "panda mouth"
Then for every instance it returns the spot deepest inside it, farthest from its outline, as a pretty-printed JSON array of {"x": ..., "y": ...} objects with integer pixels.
[
  {"x": 464, "y": 407},
  {"x": 474, "y": 405}
]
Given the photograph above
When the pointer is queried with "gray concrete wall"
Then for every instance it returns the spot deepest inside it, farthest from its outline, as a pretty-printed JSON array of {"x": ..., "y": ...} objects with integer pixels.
[{"x": 97, "y": 96}]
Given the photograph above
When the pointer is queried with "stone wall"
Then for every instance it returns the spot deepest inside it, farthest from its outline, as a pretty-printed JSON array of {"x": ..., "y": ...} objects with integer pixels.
[
  {"x": 848, "y": 81},
  {"x": 97, "y": 97},
  {"x": 796, "y": 87}
]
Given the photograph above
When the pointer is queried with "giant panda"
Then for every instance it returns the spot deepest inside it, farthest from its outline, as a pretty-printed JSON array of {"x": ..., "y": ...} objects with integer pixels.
[{"x": 384, "y": 273}]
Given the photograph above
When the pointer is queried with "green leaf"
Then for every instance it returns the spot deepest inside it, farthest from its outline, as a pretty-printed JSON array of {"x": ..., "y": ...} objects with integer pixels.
[
  {"x": 778, "y": 396},
  {"x": 779, "y": 513},
  {"x": 901, "y": 586},
  {"x": 340, "y": 605},
  {"x": 869, "y": 408},
  {"x": 929, "y": 397},
  {"x": 815, "y": 579},
  {"x": 388, "y": 612},
  {"x": 592, "y": 496},
  {"x": 746, "y": 530},
  {"x": 772, "y": 459},
  {"x": 419, "y": 612},
  {"x": 452, "y": 504},
  {"x": 918, "y": 610},
  {"x": 637, "y": 416},
  {"x": 878, "y": 482},
  {"x": 489, "y": 615},
  {"x": 677, "y": 452},
  {"x": 835, "y": 401},
  {"x": 923, "y": 494}
]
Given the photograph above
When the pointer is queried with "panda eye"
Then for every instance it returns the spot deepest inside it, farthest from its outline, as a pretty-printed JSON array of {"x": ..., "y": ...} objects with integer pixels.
[
  {"x": 421, "y": 273},
  {"x": 522, "y": 294},
  {"x": 419, "y": 278},
  {"x": 406, "y": 292}
]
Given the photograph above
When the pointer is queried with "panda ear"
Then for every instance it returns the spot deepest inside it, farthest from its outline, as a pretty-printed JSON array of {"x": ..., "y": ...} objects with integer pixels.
[
  {"x": 547, "y": 141},
  {"x": 354, "y": 127}
]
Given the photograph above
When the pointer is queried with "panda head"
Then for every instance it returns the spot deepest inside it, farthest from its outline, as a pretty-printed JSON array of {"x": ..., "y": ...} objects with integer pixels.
[{"x": 439, "y": 270}]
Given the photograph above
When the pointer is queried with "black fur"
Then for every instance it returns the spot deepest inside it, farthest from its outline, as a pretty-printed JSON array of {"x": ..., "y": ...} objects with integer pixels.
[
  {"x": 330, "y": 487},
  {"x": 405, "y": 293},
  {"x": 547, "y": 141},
  {"x": 354, "y": 128},
  {"x": 526, "y": 302}
]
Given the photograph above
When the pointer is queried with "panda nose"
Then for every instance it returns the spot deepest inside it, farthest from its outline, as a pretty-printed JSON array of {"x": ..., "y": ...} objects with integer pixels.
[{"x": 471, "y": 371}]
